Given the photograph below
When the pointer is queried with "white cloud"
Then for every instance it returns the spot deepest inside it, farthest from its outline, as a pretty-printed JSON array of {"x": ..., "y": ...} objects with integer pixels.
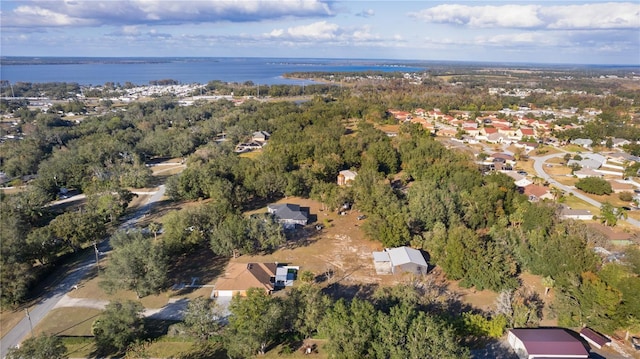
[
  {"x": 366, "y": 13},
  {"x": 320, "y": 30},
  {"x": 55, "y": 13},
  {"x": 584, "y": 16}
]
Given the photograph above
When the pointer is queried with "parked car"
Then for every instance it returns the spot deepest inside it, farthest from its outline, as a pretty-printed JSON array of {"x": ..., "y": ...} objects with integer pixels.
[{"x": 361, "y": 217}]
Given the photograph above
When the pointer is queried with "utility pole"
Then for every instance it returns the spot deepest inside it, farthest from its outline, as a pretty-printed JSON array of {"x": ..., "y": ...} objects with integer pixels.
[
  {"x": 95, "y": 248},
  {"x": 30, "y": 324}
]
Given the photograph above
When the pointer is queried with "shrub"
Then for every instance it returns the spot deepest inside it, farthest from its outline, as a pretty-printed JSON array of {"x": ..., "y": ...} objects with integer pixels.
[
  {"x": 626, "y": 196},
  {"x": 594, "y": 185}
]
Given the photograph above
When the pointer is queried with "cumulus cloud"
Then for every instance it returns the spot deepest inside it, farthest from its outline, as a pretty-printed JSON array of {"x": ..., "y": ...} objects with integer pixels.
[
  {"x": 366, "y": 13},
  {"x": 56, "y": 13},
  {"x": 326, "y": 32},
  {"x": 561, "y": 17}
]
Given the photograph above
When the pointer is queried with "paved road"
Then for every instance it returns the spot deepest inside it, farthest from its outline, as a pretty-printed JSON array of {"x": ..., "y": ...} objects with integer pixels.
[
  {"x": 49, "y": 301},
  {"x": 538, "y": 165}
]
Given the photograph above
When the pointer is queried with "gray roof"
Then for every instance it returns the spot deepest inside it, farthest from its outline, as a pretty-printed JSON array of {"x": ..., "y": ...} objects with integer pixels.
[
  {"x": 404, "y": 255},
  {"x": 287, "y": 211},
  {"x": 381, "y": 257}
]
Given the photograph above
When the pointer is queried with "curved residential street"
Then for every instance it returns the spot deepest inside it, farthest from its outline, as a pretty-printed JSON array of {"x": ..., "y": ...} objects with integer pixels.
[
  {"x": 50, "y": 300},
  {"x": 538, "y": 165}
]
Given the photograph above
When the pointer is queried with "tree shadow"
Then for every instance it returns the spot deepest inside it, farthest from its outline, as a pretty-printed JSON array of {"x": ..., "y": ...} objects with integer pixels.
[
  {"x": 494, "y": 349},
  {"x": 191, "y": 270},
  {"x": 337, "y": 291},
  {"x": 302, "y": 237}
]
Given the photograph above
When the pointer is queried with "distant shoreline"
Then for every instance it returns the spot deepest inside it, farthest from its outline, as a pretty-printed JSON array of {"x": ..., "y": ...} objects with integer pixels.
[{"x": 80, "y": 60}]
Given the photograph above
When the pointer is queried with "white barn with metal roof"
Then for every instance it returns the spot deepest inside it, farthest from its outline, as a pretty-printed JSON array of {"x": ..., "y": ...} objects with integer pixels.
[{"x": 400, "y": 260}]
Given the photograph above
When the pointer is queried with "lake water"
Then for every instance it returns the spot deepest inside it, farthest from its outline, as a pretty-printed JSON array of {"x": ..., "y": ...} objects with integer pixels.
[{"x": 264, "y": 71}]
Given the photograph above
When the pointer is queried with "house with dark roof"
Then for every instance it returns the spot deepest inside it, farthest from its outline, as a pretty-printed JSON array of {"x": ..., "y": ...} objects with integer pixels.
[
  {"x": 289, "y": 215},
  {"x": 400, "y": 260},
  {"x": 542, "y": 343}
]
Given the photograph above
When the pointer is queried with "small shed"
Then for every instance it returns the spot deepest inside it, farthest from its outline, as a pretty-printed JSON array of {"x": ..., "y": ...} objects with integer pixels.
[{"x": 594, "y": 338}]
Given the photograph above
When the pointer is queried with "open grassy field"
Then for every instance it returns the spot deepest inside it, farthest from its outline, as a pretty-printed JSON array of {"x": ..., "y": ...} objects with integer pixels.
[{"x": 68, "y": 322}]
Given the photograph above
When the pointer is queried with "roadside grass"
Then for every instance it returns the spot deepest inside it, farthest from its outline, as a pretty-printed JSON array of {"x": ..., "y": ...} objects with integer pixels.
[
  {"x": 74, "y": 322},
  {"x": 544, "y": 151},
  {"x": 557, "y": 170},
  {"x": 566, "y": 180},
  {"x": 11, "y": 318},
  {"x": 526, "y": 165},
  {"x": 574, "y": 148},
  {"x": 576, "y": 203}
]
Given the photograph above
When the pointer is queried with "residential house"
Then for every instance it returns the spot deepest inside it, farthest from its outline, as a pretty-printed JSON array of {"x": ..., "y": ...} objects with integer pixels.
[
  {"x": 400, "y": 260},
  {"x": 525, "y": 132},
  {"x": 248, "y": 146},
  {"x": 519, "y": 180},
  {"x": 594, "y": 338},
  {"x": 447, "y": 132},
  {"x": 528, "y": 146},
  {"x": 260, "y": 136},
  {"x": 289, "y": 215},
  {"x": 239, "y": 277},
  {"x": 618, "y": 186},
  {"x": 538, "y": 343},
  {"x": 567, "y": 212},
  {"x": 346, "y": 177},
  {"x": 537, "y": 193},
  {"x": 587, "y": 172},
  {"x": 619, "y": 142},
  {"x": 589, "y": 160},
  {"x": 584, "y": 142}
]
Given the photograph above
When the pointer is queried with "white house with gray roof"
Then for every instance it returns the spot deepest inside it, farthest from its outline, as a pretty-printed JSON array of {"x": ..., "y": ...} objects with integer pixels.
[
  {"x": 288, "y": 214},
  {"x": 400, "y": 260}
]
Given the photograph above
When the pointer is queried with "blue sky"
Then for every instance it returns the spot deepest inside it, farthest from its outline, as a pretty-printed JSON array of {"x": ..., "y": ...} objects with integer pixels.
[{"x": 581, "y": 32}]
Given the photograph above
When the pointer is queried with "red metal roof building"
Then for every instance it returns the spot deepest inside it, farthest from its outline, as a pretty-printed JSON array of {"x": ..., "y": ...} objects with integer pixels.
[{"x": 539, "y": 343}]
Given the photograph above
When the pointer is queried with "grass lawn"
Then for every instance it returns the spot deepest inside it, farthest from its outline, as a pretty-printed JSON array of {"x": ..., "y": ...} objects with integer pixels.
[
  {"x": 576, "y": 203},
  {"x": 84, "y": 347},
  {"x": 525, "y": 165},
  {"x": 68, "y": 322},
  {"x": 252, "y": 154},
  {"x": 79, "y": 347},
  {"x": 574, "y": 148}
]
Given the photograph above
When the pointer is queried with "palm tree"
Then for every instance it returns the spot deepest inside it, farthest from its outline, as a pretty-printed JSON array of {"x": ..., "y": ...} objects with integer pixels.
[
  {"x": 556, "y": 192},
  {"x": 154, "y": 228}
]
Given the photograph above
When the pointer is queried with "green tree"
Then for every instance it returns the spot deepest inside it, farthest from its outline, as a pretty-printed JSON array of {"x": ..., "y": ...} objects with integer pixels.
[
  {"x": 610, "y": 215},
  {"x": 78, "y": 228},
  {"x": 118, "y": 326},
  {"x": 136, "y": 263},
  {"x": 307, "y": 308},
  {"x": 253, "y": 323},
  {"x": 202, "y": 318},
  {"x": 594, "y": 185},
  {"x": 430, "y": 338},
  {"x": 41, "y": 347},
  {"x": 350, "y": 329}
]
